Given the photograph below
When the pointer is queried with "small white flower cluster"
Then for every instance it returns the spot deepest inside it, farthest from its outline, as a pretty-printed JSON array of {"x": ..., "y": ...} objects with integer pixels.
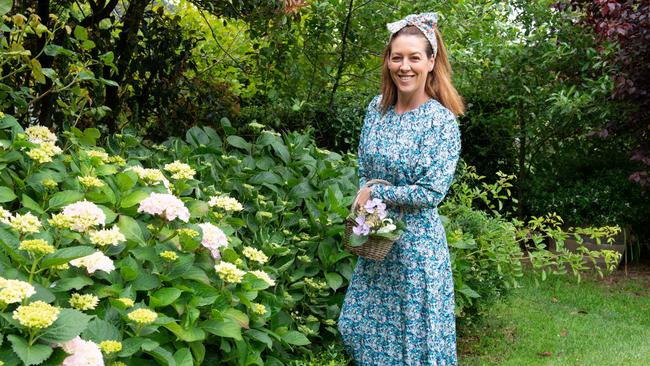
[
  {"x": 14, "y": 291},
  {"x": 255, "y": 255},
  {"x": 226, "y": 203},
  {"x": 165, "y": 205},
  {"x": 25, "y": 224},
  {"x": 106, "y": 237},
  {"x": 94, "y": 262},
  {"x": 149, "y": 176},
  {"x": 229, "y": 272},
  {"x": 213, "y": 239},
  {"x": 39, "y": 134},
  {"x": 5, "y": 216},
  {"x": 82, "y": 352},
  {"x": 79, "y": 216},
  {"x": 180, "y": 170},
  {"x": 46, "y": 140}
]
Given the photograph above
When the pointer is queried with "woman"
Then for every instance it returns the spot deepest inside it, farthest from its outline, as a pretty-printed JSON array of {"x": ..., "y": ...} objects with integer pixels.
[{"x": 400, "y": 311}]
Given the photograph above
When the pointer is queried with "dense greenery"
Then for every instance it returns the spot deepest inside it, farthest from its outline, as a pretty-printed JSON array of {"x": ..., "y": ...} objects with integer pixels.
[{"x": 249, "y": 284}]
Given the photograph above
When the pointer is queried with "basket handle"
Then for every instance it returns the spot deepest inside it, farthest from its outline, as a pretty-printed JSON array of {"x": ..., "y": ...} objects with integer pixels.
[{"x": 369, "y": 183}]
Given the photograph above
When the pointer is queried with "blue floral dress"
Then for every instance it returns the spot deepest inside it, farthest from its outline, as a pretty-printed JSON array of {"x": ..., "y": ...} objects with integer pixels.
[{"x": 400, "y": 311}]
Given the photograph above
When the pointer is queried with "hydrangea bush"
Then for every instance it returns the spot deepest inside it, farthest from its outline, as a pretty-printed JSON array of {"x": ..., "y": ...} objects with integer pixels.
[{"x": 208, "y": 249}]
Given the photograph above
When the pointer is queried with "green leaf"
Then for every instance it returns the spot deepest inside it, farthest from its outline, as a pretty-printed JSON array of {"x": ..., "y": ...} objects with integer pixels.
[
  {"x": 7, "y": 194},
  {"x": 260, "y": 337},
  {"x": 163, "y": 356},
  {"x": 295, "y": 338},
  {"x": 183, "y": 357},
  {"x": 334, "y": 280},
  {"x": 131, "y": 230},
  {"x": 186, "y": 335},
  {"x": 66, "y": 284},
  {"x": 125, "y": 181},
  {"x": 30, "y": 204},
  {"x": 68, "y": 325},
  {"x": 146, "y": 281},
  {"x": 238, "y": 142},
  {"x": 164, "y": 297},
  {"x": 80, "y": 33},
  {"x": 466, "y": 290},
  {"x": 357, "y": 240},
  {"x": 33, "y": 355},
  {"x": 64, "y": 198},
  {"x": 100, "y": 330},
  {"x": 131, "y": 346},
  {"x": 282, "y": 151},
  {"x": 65, "y": 255},
  {"x": 134, "y": 198},
  {"x": 227, "y": 328},
  {"x": 5, "y": 6}
]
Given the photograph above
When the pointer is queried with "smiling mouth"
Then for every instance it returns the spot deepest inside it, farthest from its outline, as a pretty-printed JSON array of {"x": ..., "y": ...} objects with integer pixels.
[{"x": 405, "y": 77}]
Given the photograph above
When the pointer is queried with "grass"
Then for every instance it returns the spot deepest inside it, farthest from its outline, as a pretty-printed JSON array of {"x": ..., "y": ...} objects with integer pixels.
[{"x": 561, "y": 322}]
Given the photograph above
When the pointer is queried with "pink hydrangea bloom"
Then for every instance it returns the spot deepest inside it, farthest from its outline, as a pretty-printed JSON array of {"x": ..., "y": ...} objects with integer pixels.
[
  {"x": 213, "y": 239},
  {"x": 165, "y": 205},
  {"x": 82, "y": 353}
]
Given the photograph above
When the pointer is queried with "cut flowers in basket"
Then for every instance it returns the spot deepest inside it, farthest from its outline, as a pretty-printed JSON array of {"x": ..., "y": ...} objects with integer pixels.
[{"x": 372, "y": 221}]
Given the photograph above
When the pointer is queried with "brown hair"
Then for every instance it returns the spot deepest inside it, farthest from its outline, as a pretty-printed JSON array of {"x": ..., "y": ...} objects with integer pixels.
[{"x": 438, "y": 84}]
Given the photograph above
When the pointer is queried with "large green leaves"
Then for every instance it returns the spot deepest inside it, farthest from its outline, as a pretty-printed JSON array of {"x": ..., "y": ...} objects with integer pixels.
[
  {"x": 30, "y": 355},
  {"x": 68, "y": 325}
]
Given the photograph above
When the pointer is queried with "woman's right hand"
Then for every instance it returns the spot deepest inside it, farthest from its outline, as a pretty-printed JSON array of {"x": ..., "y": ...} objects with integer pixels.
[{"x": 363, "y": 196}]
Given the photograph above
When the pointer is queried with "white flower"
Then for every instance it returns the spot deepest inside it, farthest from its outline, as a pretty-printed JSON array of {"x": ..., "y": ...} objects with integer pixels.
[
  {"x": 149, "y": 176},
  {"x": 107, "y": 237},
  {"x": 13, "y": 291},
  {"x": 213, "y": 239},
  {"x": 226, "y": 203},
  {"x": 83, "y": 215},
  {"x": 5, "y": 216},
  {"x": 229, "y": 272},
  {"x": 165, "y": 205},
  {"x": 38, "y": 134},
  {"x": 94, "y": 262},
  {"x": 86, "y": 353},
  {"x": 389, "y": 228},
  {"x": 255, "y": 255},
  {"x": 180, "y": 170}
]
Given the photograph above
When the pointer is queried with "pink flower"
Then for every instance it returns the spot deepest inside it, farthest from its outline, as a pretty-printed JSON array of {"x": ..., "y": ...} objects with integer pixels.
[
  {"x": 82, "y": 353},
  {"x": 213, "y": 239},
  {"x": 167, "y": 206}
]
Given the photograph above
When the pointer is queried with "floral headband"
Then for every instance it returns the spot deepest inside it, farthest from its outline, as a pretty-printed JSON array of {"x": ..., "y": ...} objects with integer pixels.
[{"x": 425, "y": 22}]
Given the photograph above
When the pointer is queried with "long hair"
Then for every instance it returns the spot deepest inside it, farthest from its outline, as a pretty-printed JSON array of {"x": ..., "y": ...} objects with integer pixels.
[{"x": 438, "y": 84}]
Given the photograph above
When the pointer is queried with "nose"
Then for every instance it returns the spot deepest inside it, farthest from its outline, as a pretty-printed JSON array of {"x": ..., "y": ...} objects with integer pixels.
[{"x": 404, "y": 65}]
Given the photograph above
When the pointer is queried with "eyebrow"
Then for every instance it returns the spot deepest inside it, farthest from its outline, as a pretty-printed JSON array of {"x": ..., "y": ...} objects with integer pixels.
[{"x": 411, "y": 54}]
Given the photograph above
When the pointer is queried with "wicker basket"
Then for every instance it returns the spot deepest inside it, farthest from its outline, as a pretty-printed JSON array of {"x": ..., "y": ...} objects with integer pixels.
[{"x": 375, "y": 248}]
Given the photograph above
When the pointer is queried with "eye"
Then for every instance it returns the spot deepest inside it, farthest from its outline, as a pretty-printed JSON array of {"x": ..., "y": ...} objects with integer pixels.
[{"x": 395, "y": 59}]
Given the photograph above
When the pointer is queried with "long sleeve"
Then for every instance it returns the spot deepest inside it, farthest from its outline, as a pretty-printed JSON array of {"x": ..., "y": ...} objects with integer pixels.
[
  {"x": 435, "y": 171},
  {"x": 370, "y": 112}
]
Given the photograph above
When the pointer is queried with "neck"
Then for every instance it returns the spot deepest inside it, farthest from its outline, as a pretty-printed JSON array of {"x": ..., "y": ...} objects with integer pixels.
[{"x": 406, "y": 103}]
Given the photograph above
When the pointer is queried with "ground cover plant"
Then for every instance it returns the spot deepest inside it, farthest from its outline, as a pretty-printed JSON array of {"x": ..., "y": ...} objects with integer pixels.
[
  {"x": 562, "y": 322},
  {"x": 211, "y": 248}
]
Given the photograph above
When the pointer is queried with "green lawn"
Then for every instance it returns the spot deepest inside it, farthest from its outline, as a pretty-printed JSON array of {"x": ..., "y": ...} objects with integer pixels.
[{"x": 596, "y": 322}]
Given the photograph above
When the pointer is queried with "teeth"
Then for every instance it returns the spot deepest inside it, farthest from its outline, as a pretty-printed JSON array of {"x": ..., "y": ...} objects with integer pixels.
[{"x": 405, "y": 77}]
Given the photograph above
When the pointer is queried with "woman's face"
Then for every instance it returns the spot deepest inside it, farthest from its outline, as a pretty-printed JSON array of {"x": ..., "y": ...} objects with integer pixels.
[{"x": 409, "y": 65}]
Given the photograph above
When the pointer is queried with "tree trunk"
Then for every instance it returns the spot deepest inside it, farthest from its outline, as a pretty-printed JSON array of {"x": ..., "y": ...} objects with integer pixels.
[
  {"x": 344, "y": 44},
  {"x": 521, "y": 176},
  {"x": 124, "y": 48}
]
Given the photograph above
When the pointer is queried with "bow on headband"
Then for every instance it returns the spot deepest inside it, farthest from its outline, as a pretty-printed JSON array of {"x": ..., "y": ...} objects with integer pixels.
[{"x": 425, "y": 22}]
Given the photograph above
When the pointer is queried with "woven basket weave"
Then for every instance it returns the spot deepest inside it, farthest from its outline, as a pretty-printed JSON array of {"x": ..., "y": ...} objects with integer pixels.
[{"x": 376, "y": 247}]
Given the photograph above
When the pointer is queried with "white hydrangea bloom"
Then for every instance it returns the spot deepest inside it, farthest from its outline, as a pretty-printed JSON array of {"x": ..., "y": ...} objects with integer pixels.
[
  {"x": 94, "y": 262},
  {"x": 165, "y": 205},
  {"x": 83, "y": 215},
  {"x": 107, "y": 237}
]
